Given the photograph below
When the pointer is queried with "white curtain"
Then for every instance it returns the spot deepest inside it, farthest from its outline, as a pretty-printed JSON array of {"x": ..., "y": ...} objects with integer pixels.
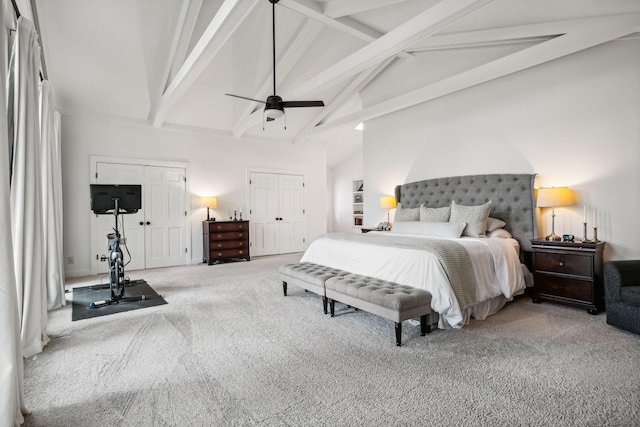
[
  {"x": 11, "y": 364},
  {"x": 52, "y": 197},
  {"x": 26, "y": 195}
]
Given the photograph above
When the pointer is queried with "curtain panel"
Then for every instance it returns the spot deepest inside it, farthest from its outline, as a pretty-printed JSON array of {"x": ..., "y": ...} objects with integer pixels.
[
  {"x": 52, "y": 197},
  {"x": 26, "y": 194},
  {"x": 11, "y": 362}
]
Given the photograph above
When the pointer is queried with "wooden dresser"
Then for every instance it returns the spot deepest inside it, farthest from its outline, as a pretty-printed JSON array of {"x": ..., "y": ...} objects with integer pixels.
[
  {"x": 569, "y": 273},
  {"x": 225, "y": 241}
]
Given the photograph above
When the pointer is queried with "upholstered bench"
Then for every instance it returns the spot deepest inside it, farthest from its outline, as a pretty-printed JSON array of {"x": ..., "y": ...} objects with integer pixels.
[
  {"x": 308, "y": 276},
  {"x": 386, "y": 299}
]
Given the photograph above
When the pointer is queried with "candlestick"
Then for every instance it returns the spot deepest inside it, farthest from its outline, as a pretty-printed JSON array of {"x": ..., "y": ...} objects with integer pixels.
[
  {"x": 595, "y": 235},
  {"x": 584, "y": 232}
]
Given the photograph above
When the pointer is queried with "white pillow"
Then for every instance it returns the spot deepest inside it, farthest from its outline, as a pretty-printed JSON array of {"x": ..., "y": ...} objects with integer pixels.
[
  {"x": 435, "y": 214},
  {"x": 494, "y": 224},
  {"x": 433, "y": 229},
  {"x": 500, "y": 232},
  {"x": 406, "y": 214},
  {"x": 474, "y": 216}
]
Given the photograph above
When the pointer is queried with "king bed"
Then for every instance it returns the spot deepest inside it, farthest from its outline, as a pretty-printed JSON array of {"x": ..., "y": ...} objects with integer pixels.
[{"x": 464, "y": 239}]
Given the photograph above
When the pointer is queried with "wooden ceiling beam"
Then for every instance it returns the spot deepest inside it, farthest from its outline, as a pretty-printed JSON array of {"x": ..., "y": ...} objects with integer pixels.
[
  {"x": 423, "y": 25},
  {"x": 339, "y": 8},
  {"x": 580, "y": 37},
  {"x": 230, "y": 15}
]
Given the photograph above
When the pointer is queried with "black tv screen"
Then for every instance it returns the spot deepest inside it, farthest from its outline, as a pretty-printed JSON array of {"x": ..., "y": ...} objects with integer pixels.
[{"x": 103, "y": 198}]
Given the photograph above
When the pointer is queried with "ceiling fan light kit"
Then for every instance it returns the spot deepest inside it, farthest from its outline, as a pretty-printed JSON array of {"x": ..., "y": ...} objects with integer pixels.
[{"x": 274, "y": 106}]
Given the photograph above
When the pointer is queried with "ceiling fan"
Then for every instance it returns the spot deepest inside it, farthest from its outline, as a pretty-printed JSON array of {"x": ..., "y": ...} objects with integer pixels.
[{"x": 274, "y": 105}]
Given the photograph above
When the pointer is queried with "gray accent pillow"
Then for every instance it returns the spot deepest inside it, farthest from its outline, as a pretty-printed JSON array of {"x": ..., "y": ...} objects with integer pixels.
[
  {"x": 494, "y": 224},
  {"x": 474, "y": 216},
  {"x": 406, "y": 214},
  {"x": 435, "y": 214}
]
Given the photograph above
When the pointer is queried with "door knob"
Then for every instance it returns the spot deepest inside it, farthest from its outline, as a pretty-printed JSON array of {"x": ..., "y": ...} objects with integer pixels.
[
  {"x": 148, "y": 223},
  {"x": 141, "y": 223}
]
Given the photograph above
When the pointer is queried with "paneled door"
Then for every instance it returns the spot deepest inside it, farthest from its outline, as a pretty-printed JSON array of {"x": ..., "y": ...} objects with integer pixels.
[
  {"x": 164, "y": 197},
  {"x": 277, "y": 213},
  {"x": 155, "y": 236}
]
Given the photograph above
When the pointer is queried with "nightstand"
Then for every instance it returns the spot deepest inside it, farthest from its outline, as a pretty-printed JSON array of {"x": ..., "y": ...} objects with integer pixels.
[{"x": 569, "y": 273}]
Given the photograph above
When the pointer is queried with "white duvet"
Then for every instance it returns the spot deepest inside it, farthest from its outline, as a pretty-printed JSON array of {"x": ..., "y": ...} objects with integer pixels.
[{"x": 495, "y": 263}]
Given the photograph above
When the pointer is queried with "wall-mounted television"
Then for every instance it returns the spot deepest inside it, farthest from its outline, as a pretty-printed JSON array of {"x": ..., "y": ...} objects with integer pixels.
[{"x": 103, "y": 198}]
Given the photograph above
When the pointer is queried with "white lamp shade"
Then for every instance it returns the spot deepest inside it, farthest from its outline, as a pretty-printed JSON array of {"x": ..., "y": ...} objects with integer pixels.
[
  {"x": 555, "y": 196},
  {"x": 209, "y": 202},
  {"x": 387, "y": 202}
]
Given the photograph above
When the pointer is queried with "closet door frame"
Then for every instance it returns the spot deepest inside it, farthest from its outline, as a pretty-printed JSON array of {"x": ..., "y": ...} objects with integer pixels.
[
  {"x": 93, "y": 162},
  {"x": 253, "y": 169}
]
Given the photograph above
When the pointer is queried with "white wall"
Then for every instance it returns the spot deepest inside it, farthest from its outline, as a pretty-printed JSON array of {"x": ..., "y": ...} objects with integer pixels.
[
  {"x": 574, "y": 121},
  {"x": 343, "y": 176},
  {"x": 217, "y": 167}
]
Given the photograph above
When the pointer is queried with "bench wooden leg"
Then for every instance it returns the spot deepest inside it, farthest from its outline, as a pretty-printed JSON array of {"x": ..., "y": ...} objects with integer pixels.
[
  {"x": 399, "y": 334},
  {"x": 425, "y": 326},
  {"x": 324, "y": 304},
  {"x": 332, "y": 306},
  {"x": 284, "y": 287}
]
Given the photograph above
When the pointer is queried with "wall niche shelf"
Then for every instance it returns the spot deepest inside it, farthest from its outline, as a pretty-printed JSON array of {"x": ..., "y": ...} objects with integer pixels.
[{"x": 358, "y": 203}]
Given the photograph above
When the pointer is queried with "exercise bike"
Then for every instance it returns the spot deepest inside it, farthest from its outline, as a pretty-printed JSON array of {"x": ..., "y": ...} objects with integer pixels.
[{"x": 117, "y": 278}]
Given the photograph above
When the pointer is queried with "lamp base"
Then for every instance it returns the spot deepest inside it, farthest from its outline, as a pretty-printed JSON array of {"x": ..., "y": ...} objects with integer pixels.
[{"x": 553, "y": 237}]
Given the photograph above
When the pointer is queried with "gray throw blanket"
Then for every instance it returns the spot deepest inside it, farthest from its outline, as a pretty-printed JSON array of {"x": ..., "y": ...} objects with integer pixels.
[{"x": 453, "y": 257}]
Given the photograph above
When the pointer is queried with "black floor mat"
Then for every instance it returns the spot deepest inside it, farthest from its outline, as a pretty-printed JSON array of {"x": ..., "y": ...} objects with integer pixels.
[{"x": 84, "y": 296}]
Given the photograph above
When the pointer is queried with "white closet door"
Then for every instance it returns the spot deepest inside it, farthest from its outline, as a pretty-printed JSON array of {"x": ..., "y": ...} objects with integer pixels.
[
  {"x": 263, "y": 230},
  {"x": 165, "y": 232},
  {"x": 133, "y": 232},
  {"x": 156, "y": 234},
  {"x": 291, "y": 233}
]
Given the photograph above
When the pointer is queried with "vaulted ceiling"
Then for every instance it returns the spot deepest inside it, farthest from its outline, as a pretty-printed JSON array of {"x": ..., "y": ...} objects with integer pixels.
[{"x": 169, "y": 63}]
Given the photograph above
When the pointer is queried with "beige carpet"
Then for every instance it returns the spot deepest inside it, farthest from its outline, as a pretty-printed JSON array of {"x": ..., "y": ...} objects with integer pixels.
[{"x": 230, "y": 349}]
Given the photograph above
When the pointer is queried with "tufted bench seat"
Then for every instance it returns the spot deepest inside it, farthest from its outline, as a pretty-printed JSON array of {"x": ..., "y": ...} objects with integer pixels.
[
  {"x": 386, "y": 299},
  {"x": 308, "y": 276}
]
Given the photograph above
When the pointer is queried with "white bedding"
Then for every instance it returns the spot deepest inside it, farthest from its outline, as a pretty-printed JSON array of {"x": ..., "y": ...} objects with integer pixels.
[{"x": 495, "y": 263}]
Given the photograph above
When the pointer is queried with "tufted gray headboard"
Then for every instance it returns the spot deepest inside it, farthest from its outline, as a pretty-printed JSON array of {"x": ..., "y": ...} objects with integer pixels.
[{"x": 512, "y": 196}]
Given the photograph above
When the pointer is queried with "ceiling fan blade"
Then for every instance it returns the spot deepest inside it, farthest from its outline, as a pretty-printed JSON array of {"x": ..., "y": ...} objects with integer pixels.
[
  {"x": 244, "y": 97},
  {"x": 293, "y": 104}
]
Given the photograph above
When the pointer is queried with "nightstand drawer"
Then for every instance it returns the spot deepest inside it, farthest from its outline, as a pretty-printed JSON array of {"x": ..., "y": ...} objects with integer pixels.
[
  {"x": 228, "y": 244},
  {"x": 565, "y": 263},
  {"x": 563, "y": 287},
  {"x": 229, "y": 253},
  {"x": 228, "y": 226},
  {"x": 228, "y": 236}
]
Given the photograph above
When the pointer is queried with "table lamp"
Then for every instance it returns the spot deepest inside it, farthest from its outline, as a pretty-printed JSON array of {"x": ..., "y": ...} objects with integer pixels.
[
  {"x": 209, "y": 202},
  {"x": 552, "y": 198},
  {"x": 388, "y": 203}
]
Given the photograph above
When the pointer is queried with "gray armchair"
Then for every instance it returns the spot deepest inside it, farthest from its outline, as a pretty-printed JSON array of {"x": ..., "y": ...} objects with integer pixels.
[{"x": 622, "y": 294}]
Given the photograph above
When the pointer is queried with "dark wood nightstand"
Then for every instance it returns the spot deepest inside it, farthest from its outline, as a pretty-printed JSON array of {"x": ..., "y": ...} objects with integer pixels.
[
  {"x": 225, "y": 241},
  {"x": 569, "y": 273}
]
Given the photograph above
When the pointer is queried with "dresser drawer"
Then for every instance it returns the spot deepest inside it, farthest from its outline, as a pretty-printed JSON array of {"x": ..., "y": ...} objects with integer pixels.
[
  {"x": 566, "y": 263},
  {"x": 227, "y": 226},
  {"x": 233, "y": 235},
  {"x": 563, "y": 287},
  {"x": 227, "y": 244},
  {"x": 229, "y": 253}
]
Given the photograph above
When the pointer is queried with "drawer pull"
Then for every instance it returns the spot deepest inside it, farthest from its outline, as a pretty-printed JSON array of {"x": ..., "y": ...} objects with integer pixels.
[
  {"x": 561, "y": 264},
  {"x": 219, "y": 245},
  {"x": 219, "y": 253}
]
